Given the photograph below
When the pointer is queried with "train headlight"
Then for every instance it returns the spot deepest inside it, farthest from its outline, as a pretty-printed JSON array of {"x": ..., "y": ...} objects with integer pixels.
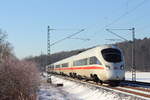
[
  {"x": 122, "y": 67},
  {"x": 107, "y": 66}
]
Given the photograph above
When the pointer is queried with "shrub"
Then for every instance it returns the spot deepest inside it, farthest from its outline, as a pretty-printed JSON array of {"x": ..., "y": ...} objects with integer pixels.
[{"x": 19, "y": 80}]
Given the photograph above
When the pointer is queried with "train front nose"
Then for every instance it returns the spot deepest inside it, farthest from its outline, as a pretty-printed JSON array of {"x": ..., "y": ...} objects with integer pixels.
[
  {"x": 114, "y": 63},
  {"x": 116, "y": 73}
]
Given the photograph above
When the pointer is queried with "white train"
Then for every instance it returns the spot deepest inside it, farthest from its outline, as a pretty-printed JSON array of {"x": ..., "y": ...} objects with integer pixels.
[{"x": 101, "y": 64}]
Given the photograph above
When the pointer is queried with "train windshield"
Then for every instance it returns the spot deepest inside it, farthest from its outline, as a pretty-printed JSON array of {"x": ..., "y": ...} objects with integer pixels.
[{"x": 112, "y": 55}]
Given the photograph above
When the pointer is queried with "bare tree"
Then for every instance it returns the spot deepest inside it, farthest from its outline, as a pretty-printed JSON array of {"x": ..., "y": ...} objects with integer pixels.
[
  {"x": 19, "y": 80},
  {"x": 5, "y": 46}
]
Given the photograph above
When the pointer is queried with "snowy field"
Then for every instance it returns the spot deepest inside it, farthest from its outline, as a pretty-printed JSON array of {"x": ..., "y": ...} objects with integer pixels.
[
  {"x": 74, "y": 91},
  {"x": 140, "y": 76}
]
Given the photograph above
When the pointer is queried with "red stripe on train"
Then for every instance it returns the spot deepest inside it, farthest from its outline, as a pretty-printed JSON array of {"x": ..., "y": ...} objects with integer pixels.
[{"x": 77, "y": 68}]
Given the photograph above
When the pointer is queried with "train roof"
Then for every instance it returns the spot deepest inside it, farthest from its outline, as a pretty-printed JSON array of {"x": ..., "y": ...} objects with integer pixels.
[{"x": 88, "y": 51}]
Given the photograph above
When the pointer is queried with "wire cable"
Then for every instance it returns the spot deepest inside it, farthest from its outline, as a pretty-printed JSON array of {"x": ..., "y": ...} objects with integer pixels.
[
  {"x": 126, "y": 13},
  {"x": 67, "y": 37},
  {"x": 123, "y": 15},
  {"x": 116, "y": 35}
]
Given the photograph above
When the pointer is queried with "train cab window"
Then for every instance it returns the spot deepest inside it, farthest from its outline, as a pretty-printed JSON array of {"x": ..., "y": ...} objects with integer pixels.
[
  {"x": 65, "y": 65},
  {"x": 94, "y": 60},
  {"x": 111, "y": 55},
  {"x": 57, "y": 66}
]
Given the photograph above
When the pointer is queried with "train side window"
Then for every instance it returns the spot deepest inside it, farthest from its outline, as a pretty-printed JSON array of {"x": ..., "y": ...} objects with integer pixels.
[
  {"x": 57, "y": 66},
  {"x": 94, "y": 60},
  {"x": 84, "y": 61},
  {"x": 52, "y": 66},
  {"x": 80, "y": 62},
  {"x": 74, "y": 63},
  {"x": 65, "y": 65}
]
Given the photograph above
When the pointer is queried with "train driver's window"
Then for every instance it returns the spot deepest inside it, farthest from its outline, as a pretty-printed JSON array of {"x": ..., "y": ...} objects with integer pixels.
[{"x": 94, "y": 60}]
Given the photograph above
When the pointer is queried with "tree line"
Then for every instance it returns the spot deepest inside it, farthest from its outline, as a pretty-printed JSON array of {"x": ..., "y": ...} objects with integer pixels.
[{"x": 142, "y": 54}]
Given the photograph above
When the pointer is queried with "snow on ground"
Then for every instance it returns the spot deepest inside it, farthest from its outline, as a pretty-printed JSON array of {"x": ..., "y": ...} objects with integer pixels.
[
  {"x": 84, "y": 92},
  {"x": 50, "y": 92},
  {"x": 75, "y": 91},
  {"x": 140, "y": 76}
]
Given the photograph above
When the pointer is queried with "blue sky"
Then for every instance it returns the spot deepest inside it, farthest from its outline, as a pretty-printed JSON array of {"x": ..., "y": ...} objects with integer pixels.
[{"x": 25, "y": 22}]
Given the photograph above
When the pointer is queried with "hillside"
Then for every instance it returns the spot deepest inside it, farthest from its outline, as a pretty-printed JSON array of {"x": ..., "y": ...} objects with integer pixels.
[{"x": 142, "y": 54}]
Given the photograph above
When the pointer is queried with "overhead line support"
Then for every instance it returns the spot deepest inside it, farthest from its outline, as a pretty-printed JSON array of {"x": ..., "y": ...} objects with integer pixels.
[{"x": 48, "y": 44}]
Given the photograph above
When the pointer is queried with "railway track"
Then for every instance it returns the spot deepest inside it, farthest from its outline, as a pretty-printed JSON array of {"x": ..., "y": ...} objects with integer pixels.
[{"x": 137, "y": 90}]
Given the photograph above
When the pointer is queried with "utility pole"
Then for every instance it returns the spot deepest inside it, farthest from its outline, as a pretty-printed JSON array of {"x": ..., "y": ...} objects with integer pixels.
[
  {"x": 48, "y": 41},
  {"x": 133, "y": 55},
  {"x": 48, "y": 44},
  {"x": 133, "y": 68}
]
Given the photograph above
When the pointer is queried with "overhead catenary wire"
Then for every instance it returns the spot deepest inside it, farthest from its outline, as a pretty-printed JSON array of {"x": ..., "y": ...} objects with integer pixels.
[
  {"x": 84, "y": 39},
  {"x": 116, "y": 35},
  {"x": 65, "y": 29},
  {"x": 126, "y": 13},
  {"x": 67, "y": 37},
  {"x": 105, "y": 17},
  {"x": 122, "y": 16},
  {"x": 113, "y": 39}
]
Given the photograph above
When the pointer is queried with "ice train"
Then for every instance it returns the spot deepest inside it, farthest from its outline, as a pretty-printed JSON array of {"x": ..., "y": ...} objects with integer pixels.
[{"x": 101, "y": 64}]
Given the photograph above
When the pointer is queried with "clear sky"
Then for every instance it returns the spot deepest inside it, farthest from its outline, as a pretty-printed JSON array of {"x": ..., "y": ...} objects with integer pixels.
[{"x": 25, "y": 22}]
